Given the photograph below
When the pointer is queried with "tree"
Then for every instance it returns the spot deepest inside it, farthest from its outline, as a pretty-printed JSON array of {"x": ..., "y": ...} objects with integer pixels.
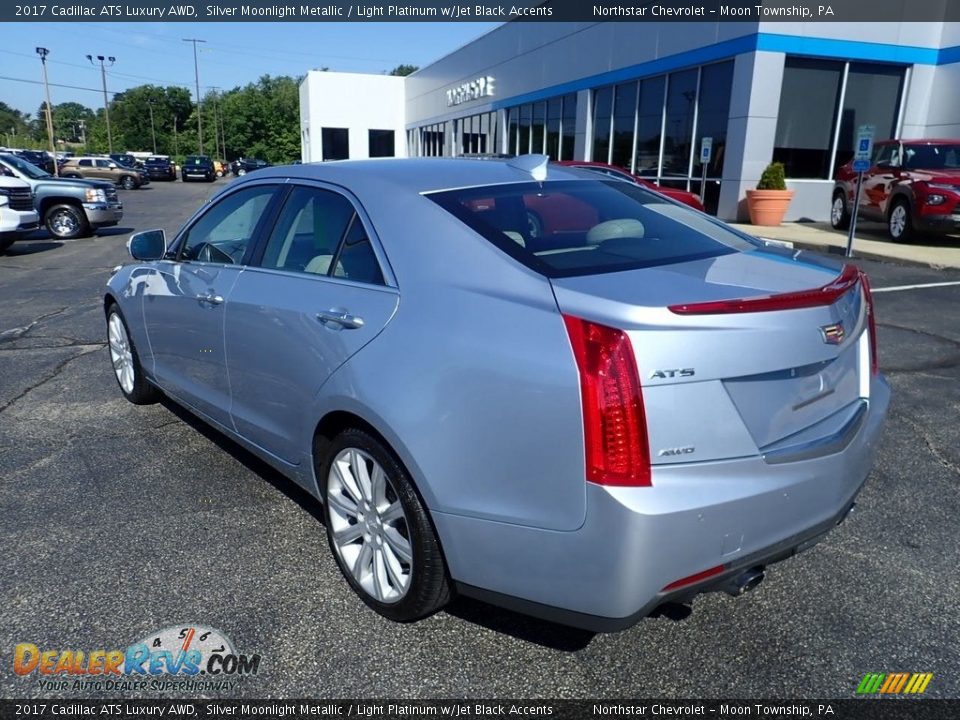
[
  {"x": 403, "y": 70},
  {"x": 14, "y": 126},
  {"x": 261, "y": 119}
]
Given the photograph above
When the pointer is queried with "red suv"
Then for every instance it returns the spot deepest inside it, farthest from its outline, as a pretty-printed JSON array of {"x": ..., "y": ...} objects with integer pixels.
[
  {"x": 687, "y": 198},
  {"x": 912, "y": 185}
]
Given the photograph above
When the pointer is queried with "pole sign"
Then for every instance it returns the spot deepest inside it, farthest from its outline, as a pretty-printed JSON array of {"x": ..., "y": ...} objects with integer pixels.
[
  {"x": 706, "y": 149},
  {"x": 861, "y": 159}
]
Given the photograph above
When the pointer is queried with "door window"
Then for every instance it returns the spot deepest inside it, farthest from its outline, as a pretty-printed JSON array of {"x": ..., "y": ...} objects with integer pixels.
[
  {"x": 224, "y": 232},
  {"x": 320, "y": 233},
  {"x": 103, "y": 163},
  {"x": 888, "y": 155}
]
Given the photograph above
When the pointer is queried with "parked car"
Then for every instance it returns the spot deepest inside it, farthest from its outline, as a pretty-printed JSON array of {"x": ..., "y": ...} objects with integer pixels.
[
  {"x": 17, "y": 216},
  {"x": 687, "y": 198},
  {"x": 581, "y": 426},
  {"x": 100, "y": 168},
  {"x": 219, "y": 168},
  {"x": 126, "y": 159},
  {"x": 68, "y": 208},
  {"x": 246, "y": 165},
  {"x": 159, "y": 167},
  {"x": 912, "y": 185},
  {"x": 198, "y": 167},
  {"x": 39, "y": 158}
]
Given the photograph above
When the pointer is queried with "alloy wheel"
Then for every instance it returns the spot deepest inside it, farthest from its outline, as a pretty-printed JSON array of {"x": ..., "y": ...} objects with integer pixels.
[
  {"x": 898, "y": 221},
  {"x": 836, "y": 211},
  {"x": 120, "y": 353},
  {"x": 64, "y": 223},
  {"x": 368, "y": 526}
]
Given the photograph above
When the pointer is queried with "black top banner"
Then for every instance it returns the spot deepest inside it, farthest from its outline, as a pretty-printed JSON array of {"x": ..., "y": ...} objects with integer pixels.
[
  {"x": 864, "y": 709},
  {"x": 520, "y": 11}
]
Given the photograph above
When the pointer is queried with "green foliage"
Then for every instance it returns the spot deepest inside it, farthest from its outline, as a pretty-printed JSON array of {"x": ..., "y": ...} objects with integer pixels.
[
  {"x": 403, "y": 70},
  {"x": 773, "y": 178},
  {"x": 15, "y": 128}
]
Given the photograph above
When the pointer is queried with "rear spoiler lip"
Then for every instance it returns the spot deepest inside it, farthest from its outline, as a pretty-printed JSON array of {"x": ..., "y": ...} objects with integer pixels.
[{"x": 824, "y": 295}]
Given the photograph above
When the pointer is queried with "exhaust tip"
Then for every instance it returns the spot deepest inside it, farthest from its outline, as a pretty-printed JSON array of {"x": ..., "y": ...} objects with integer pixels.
[{"x": 744, "y": 582}]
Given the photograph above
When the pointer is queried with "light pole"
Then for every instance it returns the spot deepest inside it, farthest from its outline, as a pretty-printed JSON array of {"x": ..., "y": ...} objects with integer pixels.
[
  {"x": 196, "y": 77},
  {"x": 221, "y": 151},
  {"x": 176, "y": 145},
  {"x": 83, "y": 134},
  {"x": 106, "y": 107},
  {"x": 43, "y": 52},
  {"x": 153, "y": 133}
]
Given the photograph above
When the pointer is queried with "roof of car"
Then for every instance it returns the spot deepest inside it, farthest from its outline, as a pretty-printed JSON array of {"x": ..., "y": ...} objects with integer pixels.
[{"x": 419, "y": 174}]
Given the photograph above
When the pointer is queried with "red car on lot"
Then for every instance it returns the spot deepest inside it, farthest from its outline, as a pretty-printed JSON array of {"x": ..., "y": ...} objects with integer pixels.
[
  {"x": 912, "y": 186},
  {"x": 687, "y": 198}
]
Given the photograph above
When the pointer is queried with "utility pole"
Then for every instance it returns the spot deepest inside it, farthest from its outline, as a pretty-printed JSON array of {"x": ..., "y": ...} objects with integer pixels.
[
  {"x": 153, "y": 132},
  {"x": 196, "y": 77},
  {"x": 176, "y": 146},
  {"x": 221, "y": 152},
  {"x": 43, "y": 52},
  {"x": 106, "y": 106},
  {"x": 83, "y": 134}
]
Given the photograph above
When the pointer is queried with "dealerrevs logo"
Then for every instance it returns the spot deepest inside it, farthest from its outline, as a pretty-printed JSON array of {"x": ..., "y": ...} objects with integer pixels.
[{"x": 180, "y": 652}]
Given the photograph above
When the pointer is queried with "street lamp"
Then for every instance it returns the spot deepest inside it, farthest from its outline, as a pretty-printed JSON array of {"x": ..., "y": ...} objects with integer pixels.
[
  {"x": 43, "y": 52},
  {"x": 103, "y": 78},
  {"x": 153, "y": 133},
  {"x": 196, "y": 77}
]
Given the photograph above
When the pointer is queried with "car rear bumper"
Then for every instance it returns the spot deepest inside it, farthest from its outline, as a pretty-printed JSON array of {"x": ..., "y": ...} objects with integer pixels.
[
  {"x": 103, "y": 214},
  {"x": 739, "y": 514}
]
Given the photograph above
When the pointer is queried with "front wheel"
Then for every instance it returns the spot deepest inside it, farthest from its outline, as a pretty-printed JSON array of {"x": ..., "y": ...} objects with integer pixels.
[
  {"x": 379, "y": 531},
  {"x": 900, "y": 223},
  {"x": 66, "y": 222},
  {"x": 126, "y": 363},
  {"x": 6, "y": 241},
  {"x": 128, "y": 183},
  {"x": 839, "y": 215},
  {"x": 241, "y": 171}
]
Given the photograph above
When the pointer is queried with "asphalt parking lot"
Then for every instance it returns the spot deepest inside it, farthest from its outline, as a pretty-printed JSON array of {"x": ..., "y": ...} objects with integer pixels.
[{"x": 118, "y": 521}]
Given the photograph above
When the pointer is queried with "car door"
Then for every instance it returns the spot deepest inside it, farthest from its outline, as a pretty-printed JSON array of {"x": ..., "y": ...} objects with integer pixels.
[
  {"x": 319, "y": 292},
  {"x": 184, "y": 304},
  {"x": 104, "y": 171},
  {"x": 884, "y": 172}
]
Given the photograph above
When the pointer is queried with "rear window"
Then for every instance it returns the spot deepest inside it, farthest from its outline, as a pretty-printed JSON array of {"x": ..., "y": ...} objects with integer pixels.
[{"x": 567, "y": 228}]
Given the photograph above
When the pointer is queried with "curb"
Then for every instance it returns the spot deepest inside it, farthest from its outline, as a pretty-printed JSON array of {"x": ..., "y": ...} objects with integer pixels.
[{"x": 867, "y": 255}]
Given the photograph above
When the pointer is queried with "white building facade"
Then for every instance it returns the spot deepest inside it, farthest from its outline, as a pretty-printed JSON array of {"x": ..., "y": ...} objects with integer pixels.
[{"x": 644, "y": 95}]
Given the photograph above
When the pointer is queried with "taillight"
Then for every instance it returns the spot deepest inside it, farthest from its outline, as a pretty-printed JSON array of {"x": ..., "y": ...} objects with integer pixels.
[
  {"x": 614, "y": 425},
  {"x": 691, "y": 579},
  {"x": 871, "y": 323},
  {"x": 824, "y": 295}
]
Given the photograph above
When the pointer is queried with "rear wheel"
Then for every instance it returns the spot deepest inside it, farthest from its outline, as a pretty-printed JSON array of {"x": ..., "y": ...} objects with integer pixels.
[
  {"x": 66, "y": 222},
  {"x": 379, "y": 531},
  {"x": 899, "y": 222},
  {"x": 126, "y": 363},
  {"x": 839, "y": 215}
]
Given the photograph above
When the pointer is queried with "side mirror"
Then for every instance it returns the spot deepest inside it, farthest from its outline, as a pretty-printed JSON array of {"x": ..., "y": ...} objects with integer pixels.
[
  {"x": 112, "y": 166},
  {"x": 147, "y": 245}
]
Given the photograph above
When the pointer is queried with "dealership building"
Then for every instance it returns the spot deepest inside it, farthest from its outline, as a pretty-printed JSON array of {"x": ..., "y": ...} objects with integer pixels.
[{"x": 643, "y": 95}]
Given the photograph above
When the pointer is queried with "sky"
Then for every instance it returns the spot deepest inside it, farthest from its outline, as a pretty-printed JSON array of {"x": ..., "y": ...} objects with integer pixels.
[{"x": 234, "y": 54}]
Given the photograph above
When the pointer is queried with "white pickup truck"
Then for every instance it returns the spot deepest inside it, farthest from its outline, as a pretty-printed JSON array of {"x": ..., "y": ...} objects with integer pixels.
[{"x": 17, "y": 216}]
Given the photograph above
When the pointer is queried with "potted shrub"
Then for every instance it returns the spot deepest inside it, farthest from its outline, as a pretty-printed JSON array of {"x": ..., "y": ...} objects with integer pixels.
[{"x": 768, "y": 203}]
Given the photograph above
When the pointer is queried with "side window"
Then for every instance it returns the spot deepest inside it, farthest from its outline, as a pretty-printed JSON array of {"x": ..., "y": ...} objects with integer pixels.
[
  {"x": 309, "y": 229},
  {"x": 103, "y": 163},
  {"x": 223, "y": 233},
  {"x": 86, "y": 163},
  {"x": 357, "y": 261},
  {"x": 887, "y": 155}
]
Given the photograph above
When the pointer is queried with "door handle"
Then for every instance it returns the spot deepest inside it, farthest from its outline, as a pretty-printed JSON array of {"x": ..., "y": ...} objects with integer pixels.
[
  {"x": 342, "y": 318},
  {"x": 211, "y": 298}
]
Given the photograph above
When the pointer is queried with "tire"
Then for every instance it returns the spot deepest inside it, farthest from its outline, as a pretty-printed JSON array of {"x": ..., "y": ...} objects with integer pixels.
[
  {"x": 127, "y": 182},
  {"x": 241, "y": 171},
  {"x": 183, "y": 178},
  {"x": 66, "y": 222},
  {"x": 839, "y": 213},
  {"x": 126, "y": 362},
  {"x": 534, "y": 225},
  {"x": 388, "y": 554},
  {"x": 6, "y": 242},
  {"x": 900, "y": 222}
]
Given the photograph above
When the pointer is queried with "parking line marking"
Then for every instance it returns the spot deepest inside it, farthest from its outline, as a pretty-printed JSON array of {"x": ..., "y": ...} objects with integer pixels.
[{"x": 897, "y": 288}]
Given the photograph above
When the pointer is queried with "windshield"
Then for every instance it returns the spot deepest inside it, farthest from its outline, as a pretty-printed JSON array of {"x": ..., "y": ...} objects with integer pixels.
[
  {"x": 583, "y": 227},
  {"x": 25, "y": 168},
  {"x": 932, "y": 157}
]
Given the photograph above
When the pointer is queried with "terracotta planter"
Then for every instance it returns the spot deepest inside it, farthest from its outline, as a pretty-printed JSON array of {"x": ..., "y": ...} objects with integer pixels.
[{"x": 767, "y": 207}]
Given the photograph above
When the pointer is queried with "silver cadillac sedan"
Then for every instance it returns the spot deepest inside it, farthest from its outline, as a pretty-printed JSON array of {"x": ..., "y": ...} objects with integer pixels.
[{"x": 555, "y": 392}]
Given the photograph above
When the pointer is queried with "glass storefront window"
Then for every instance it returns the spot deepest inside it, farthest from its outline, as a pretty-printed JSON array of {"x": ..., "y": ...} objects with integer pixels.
[
  {"x": 678, "y": 141},
  {"x": 569, "y": 126},
  {"x": 537, "y": 129},
  {"x": 554, "y": 112},
  {"x": 808, "y": 110},
  {"x": 602, "y": 101},
  {"x": 525, "y": 116},
  {"x": 649, "y": 127},
  {"x": 872, "y": 98},
  {"x": 624, "y": 114}
]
